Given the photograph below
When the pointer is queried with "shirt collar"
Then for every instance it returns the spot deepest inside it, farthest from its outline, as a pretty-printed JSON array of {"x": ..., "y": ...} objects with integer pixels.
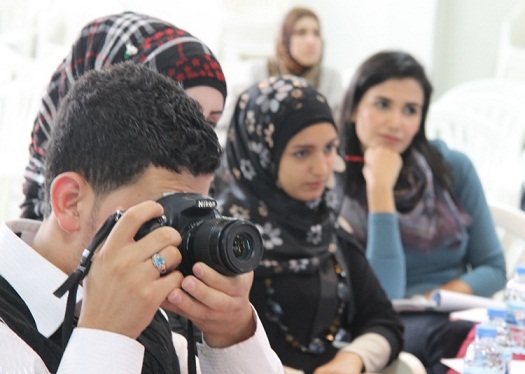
[{"x": 31, "y": 275}]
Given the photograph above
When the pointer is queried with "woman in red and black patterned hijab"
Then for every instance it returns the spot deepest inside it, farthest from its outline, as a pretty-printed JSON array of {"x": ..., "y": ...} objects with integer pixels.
[{"x": 110, "y": 40}]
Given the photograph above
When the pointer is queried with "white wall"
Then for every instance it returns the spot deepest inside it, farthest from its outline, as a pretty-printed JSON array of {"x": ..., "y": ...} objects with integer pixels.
[
  {"x": 467, "y": 35},
  {"x": 355, "y": 29}
]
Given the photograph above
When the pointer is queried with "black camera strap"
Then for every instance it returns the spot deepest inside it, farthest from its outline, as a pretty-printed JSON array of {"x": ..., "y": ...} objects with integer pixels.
[
  {"x": 192, "y": 366},
  {"x": 73, "y": 281}
]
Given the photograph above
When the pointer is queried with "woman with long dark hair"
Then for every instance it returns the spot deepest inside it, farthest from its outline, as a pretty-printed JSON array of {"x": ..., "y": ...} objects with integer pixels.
[{"x": 417, "y": 206}]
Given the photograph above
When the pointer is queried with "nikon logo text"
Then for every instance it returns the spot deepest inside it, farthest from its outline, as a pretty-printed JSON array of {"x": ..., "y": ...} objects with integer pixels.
[{"x": 206, "y": 204}]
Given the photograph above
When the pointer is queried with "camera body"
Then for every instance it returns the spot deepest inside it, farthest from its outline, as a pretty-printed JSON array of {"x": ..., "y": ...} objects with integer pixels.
[{"x": 230, "y": 246}]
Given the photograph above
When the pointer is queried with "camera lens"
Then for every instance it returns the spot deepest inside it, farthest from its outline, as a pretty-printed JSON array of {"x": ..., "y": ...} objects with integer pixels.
[
  {"x": 229, "y": 246},
  {"x": 242, "y": 246}
]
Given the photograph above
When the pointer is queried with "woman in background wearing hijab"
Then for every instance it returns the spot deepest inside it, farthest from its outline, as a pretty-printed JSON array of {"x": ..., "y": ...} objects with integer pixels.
[
  {"x": 298, "y": 51},
  {"x": 314, "y": 282},
  {"x": 109, "y": 40}
]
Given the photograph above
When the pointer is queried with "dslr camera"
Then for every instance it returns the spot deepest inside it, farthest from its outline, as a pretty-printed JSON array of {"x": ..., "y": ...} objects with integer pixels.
[{"x": 230, "y": 246}]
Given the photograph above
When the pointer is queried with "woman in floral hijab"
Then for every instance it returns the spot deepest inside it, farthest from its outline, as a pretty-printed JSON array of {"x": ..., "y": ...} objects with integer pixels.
[{"x": 313, "y": 285}]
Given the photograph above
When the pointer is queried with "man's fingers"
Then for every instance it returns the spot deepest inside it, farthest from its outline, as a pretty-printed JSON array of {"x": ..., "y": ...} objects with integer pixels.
[{"x": 130, "y": 222}]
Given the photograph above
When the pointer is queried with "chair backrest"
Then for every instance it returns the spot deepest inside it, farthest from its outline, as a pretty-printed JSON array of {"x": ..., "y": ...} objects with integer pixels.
[
  {"x": 510, "y": 227},
  {"x": 495, "y": 153},
  {"x": 498, "y": 100},
  {"x": 485, "y": 118},
  {"x": 406, "y": 363}
]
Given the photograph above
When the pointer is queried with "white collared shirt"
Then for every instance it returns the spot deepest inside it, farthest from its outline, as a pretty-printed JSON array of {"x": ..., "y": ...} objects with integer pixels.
[{"x": 96, "y": 351}]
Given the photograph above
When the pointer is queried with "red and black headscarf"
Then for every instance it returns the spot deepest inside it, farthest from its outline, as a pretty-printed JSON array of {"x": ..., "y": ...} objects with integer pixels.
[{"x": 107, "y": 41}]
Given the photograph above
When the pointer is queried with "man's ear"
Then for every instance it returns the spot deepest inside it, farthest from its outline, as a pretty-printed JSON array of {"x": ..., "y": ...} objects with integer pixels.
[{"x": 67, "y": 192}]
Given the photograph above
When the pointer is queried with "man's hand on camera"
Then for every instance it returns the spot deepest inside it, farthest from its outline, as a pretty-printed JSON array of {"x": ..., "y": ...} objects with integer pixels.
[
  {"x": 217, "y": 304},
  {"x": 123, "y": 288}
]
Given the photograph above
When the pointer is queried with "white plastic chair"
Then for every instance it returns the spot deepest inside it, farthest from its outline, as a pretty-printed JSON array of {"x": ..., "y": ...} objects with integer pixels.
[
  {"x": 495, "y": 153},
  {"x": 510, "y": 226},
  {"x": 501, "y": 85},
  {"x": 19, "y": 103},
  {"x": 407, "y": 363},
  {"x": 18, "y": 26},
  {"x": 498, "y": 100}
]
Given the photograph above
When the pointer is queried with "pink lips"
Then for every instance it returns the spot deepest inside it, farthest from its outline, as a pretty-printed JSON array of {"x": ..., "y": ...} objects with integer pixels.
[
  {"x": 390, "y": 139},
  {"x": 315, "y": 185}
]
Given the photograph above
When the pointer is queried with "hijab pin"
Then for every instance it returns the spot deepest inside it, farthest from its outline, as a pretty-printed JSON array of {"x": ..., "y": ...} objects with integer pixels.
[{"x": 131, "y": 50}]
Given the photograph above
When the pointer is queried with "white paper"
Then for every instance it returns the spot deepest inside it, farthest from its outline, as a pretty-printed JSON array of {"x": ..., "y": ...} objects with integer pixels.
[
  {"x": 448, "y": 301},
  {"x": 445, "y": 301},
  {"x": 453, "y": 363},
  {"x": 474, "y": 315},
  {"x": 515, "y": 367},
  {"x": 417, "y": 303}
]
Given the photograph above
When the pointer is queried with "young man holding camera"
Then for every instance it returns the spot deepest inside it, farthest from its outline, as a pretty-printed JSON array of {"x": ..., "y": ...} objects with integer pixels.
[{"x": 124, "y": 138}]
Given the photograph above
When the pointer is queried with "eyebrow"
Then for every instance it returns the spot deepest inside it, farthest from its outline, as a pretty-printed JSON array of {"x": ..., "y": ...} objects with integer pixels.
[
  {"x": 302, "y": 146},
  {"x": 390, "y": 100},
  {"x": 212, "y": 114}
]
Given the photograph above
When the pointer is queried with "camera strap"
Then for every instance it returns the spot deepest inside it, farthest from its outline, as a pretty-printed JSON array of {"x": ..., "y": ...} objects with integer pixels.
[
  {"x": 192, "y": 366},
  {"x": 73, "y": 281}
]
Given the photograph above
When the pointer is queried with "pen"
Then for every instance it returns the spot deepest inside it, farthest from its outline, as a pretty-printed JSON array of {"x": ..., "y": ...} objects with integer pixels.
[{"x": 354, "y": 158}]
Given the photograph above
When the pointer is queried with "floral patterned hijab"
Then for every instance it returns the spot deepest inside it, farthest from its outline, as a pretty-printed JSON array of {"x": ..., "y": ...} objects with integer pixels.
[{"x": 296, "y": 234}]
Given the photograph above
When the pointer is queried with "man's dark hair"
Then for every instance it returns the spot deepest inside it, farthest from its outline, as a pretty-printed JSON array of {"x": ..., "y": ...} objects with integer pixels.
[{"x": 115, "y": 123}]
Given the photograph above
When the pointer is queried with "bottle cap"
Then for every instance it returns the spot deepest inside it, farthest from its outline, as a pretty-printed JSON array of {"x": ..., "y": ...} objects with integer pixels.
[
  {"x": 520, "y": 269},
  {"x": 496, "y": 312},
  {"x": 486, "y": 331}
]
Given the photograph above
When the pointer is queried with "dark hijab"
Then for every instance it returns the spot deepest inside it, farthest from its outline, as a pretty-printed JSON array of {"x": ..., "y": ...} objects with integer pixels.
[
  {"x": 300, "y": 288},
  {"x": 267, "y": 116}
]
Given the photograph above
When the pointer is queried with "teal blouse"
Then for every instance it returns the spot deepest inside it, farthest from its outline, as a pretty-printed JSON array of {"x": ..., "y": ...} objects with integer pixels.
[{"x": 478, "y": 261}]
